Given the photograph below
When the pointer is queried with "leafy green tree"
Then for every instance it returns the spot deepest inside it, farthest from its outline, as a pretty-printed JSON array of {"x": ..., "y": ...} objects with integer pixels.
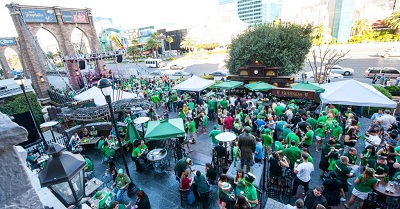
[
  {"x": 133, "y": 50},
  {"x": 360, "y": 27},
  {"x": 393, "y": 21},
  {"x": 170, "y": 40},
  {"x": 285, "y": 46},
  {"x": 188, "y": 44},
  {"x": 317, "y": 34},
  {"x": 153, "y": 44}
]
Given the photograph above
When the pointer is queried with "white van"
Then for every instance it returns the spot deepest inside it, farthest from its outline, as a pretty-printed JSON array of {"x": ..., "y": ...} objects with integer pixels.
[
  {"x": 154, "y": 63},
  {"x": 392, "y": 52}
]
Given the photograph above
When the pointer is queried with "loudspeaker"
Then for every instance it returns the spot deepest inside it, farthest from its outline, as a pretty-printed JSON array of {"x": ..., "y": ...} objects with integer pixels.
[
  {"x": 25, "y": 120},
  {"x": 119, "y": 58},
  {"x": 82, "y": 64}
]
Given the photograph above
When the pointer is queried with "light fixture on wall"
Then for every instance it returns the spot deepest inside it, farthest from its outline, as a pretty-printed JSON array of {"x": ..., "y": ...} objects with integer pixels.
[
  {"x": 42, "y": 79},
  {"x": 77, "y": 72}
]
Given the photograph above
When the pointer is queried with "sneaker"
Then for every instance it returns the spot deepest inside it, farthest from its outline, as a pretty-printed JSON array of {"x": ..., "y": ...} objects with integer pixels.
[{"x": 342, "y": 199}]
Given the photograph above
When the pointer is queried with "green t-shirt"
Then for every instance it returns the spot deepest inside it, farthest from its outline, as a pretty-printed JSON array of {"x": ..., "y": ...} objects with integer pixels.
[
  {"x": 293, "y": 153},
  {"x": 192, "y": 126},
  {"x": 285, "y": 132},
  {"x": 174, "y": 98},
  {"x": 312, "y": 122},
  {"x": 292, "y": 136},
  {"x": 279, "y": 110},
  {"x": 105, "y": 202},
  {"x": 89, "y": 165},
  {"x": 136, "y": 152},
  {"x": 182, "y": 115},
  {"x": 214, "y": 133},
  {"x": 320, "y": 132},
  {"x": 251, "y": 193},
  {"x": 365, "y": 187},
  {"x": 181, "y": 166},
  {"x": 381, "y": 169},
  {"x": 224, "y": 103},
  {"x": 336, "y": 131},
  {"x": 322, "y": 119},
  {"x": 397, "y": 149},
  {"x": 352, "y": 159},
  {"x": 335, "y": 111},
  {"x": 267, "y": 140},
  {"x": 310, "y": 159},
  {"x": 155, "y": 98},
  {"x": 30, "y": 158},
  {"x": 121, "y": 181},
  {"x": 342, "y": 170},
  {"x": 309, "y": 137},
  {"x": 211, "y": 104},
  {"x": 278, "y": 145}
]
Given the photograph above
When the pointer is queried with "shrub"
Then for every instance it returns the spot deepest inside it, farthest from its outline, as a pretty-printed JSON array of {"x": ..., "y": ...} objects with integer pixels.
[{"x": 383, "y": 91}]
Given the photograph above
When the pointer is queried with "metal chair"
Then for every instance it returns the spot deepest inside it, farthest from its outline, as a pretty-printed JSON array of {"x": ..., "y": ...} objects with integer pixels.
[
  {"x": 287, "y": 188},
  {"x": 371, "y": 201}
]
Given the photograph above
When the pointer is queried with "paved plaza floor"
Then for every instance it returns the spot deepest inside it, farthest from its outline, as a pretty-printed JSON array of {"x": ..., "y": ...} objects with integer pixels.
[{"x": 163, "y": 189}]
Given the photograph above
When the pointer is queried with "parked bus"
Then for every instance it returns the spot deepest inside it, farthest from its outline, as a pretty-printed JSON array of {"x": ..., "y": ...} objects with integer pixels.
[{"x": 156, "y": 63}]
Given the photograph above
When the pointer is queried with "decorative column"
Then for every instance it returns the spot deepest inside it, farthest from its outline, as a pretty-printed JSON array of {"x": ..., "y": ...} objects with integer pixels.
[
  {"x": 16, "y": 190},
  {"x": 94, "y": 41},
  {"x": 4, "y": 65}
]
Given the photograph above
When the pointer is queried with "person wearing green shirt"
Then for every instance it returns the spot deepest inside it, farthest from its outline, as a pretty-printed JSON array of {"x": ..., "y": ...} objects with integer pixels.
[
  {"x": 326, "y": 153},
  {"x": 343, "y": 171},
  {"x": 155, "y": 100},
  {"x": 213, "y": 134},
  {"x": 224, "y": 103},
  {"x": 278, "y": 146},
  {"x": 174, "y": 99},
  {"x": 267, "y": 141},
  {"x": 292, "y": 153},
  {"x": 397, "y": 150},
  {"x": 310, "y": 158},
  {"x": 332, "y": 108},
  {"x": 322, "y": 118},
  {"x": 319, "y": 136},
  {"x": 308, "y": 137},
  {"x": 192, "y": 130},
  {"x": 312, "y": 121},
  {"x": 136, "y": 153},
  {"x": 363, "y": 184},
  {"x": 286, "y": 130},
  {"x": 336, "y": 130},
  {"x": 105, "y": 199},
  {"x": 89, "y": 165},
  {"x": 120, "y": 184},
  {"x": 191, "y": 104},
  {"x": 293, "y": 136},
  {"x": 250, "y": 191},
  {"x": 211, "y": 109},
  {"x": 279, "y": 110}
]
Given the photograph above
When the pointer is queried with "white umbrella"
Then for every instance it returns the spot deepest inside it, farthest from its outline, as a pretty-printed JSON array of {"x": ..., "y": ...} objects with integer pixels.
[{"x": 226, "y": 137}]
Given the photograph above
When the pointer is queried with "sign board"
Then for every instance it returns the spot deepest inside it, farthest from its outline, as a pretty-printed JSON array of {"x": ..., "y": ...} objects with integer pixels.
[
  {"x": 292, "y": 93},
  {"x": 38, "y": 15},
  {"x": 7, "y": 42},
  {"x": 74, "y": 16}
]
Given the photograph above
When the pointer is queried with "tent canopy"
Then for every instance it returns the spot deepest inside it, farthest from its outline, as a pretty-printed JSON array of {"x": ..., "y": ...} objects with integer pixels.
[
  {"x": 352, "y": 92},
  {"x": 229, "y": 85},
  {"x": 259, "y": 86},
  {"x": 95, "y": 94},
  {"x": 194, "y": 83},
  {"x": 131, "y": 134},
  {"x": 307, "y": 86},
  {"x": 157, "y": 130}
]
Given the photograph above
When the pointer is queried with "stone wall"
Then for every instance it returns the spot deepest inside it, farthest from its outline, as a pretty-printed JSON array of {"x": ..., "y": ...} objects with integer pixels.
[{"x": 16, "y": 190}]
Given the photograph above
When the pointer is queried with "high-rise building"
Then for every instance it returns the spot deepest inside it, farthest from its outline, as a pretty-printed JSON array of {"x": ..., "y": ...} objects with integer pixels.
[
  {"x": 342, "y": 13},
  {"x": 256, "y": 12},
  {"x": 273, "y": 10}
]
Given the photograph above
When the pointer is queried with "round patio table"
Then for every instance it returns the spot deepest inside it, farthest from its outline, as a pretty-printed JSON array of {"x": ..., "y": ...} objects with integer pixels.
[
  {"x": 387, "y": 189},
  {"x": 226, "y": 137}
]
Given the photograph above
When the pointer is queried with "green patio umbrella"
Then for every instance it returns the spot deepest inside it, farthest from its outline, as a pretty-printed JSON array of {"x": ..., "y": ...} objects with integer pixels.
[
  {"x": 307, "y": 86},
  {"x": 131, "y": 134},
  {"x": 259, "y": 86},
  {"x": 228, "y": 85},
  {"x": 165, "y": 129}
]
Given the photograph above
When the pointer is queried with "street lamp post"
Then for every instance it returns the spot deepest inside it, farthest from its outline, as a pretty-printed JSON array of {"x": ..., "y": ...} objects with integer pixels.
[
  {"x": 19, "y": 79},
  {"x": 63, "y": 175},
  {"x": 106, "y": 89}
]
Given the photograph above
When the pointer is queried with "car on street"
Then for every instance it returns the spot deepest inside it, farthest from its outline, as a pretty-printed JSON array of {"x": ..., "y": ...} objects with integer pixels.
[
  {"x": 331, "y": 75},
  {"x": 340, "y": 70},
  {"x": 390, "y": 72},
  {"x": 158, "y": 73},
  {"x": 179, "y": 74},
  {"x": 176, "y": 67},
  {"x": 218, "y": 73},
  {"x": 392, "y": 52}
]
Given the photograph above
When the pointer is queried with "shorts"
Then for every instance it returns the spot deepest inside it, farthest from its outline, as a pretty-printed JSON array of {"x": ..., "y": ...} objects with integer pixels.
[
  {"x": 361, "y": 195},
  {"x": 318, "y": 138}
]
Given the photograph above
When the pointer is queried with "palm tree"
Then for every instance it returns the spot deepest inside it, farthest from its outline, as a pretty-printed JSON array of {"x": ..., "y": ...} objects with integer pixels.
[
  {"x": 187, "y": 43},
  {"x": 169, "y": 39},
  {"x": 153, "y": 44},
  {"x": 360, "y": 27},
  {"x": 317, "y": 34},
  {"x": 393, "y": 21}
]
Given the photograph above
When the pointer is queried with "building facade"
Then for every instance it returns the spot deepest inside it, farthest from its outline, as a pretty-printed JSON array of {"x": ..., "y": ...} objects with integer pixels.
[{"x": 343, "y": 13}]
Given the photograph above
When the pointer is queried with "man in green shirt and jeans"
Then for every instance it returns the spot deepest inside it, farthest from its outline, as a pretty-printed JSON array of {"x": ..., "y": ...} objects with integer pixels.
[
  {"x": 120, "y": 184},
  {"x": 213, "y": 134},
  {"x": 343, "y": 171},
  {"x": 308, "y": 137}
]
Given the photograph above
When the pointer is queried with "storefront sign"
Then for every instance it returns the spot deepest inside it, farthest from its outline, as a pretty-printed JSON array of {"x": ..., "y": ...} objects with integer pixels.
[
  {"x": 38, "y": 15},
  {"x": 292, "y": 93},
  {"x": 7, "y": 42},
  {"x": 74, "y": 16}
]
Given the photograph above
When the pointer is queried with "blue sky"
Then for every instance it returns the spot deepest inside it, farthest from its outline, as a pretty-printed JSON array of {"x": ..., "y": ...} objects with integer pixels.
[{"x": 126, "y": 14}]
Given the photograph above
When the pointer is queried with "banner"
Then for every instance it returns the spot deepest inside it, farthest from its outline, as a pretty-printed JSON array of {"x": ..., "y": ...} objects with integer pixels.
[
  {"x": 38, "y": 15},
  {"x": 7, "y": 42},
  {"x": 74, "y": 16},
  {"x": 292, "y": 93}
]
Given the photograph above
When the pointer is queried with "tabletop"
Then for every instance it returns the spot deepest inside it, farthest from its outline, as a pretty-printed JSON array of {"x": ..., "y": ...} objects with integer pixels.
[
  {"x": 156, "y": 154},
  {"x": 92, "y": 185},
  {"x": 48, "y": 124},
  {"x": 226, "y": 137},
  {"x": 89, "y": 141},
  {"x": 198, "y": 168},
  {"x": 256, "y": 169},
  {"x": 390, "y": 189}
]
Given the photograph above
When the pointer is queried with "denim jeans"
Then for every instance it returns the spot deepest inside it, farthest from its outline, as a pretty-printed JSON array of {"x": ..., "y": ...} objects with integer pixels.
[{"x": 119, "y": 193}]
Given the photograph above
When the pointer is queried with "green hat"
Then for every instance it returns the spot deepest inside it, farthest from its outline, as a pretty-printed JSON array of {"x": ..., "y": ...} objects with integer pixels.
[
  {"x": 267, "y": 130},
  {"x": 215, "y": 126},
  {"x": 335, "y": 122},
  {"x": 120, "y": 171},
  {"x": 323, "y": 112},
  {"x": 98, "y": 194},
  {"x": 321, "y": 124},
  {"x": 292, "y": 101}
]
